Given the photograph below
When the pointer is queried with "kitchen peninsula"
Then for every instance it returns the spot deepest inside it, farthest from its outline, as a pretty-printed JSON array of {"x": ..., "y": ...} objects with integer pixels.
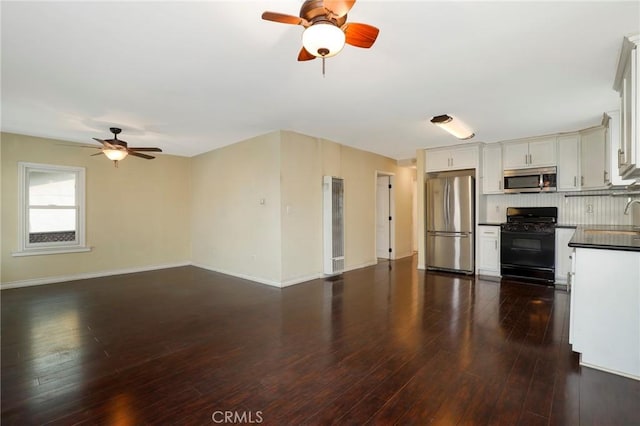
[{"x": 605, "y": 299}]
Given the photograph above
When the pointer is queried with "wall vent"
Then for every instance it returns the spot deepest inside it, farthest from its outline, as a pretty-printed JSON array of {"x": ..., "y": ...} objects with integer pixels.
[{"x": 333, "y": 224}]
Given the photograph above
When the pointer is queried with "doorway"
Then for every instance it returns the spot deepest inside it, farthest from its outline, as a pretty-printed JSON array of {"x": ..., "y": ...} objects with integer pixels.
[{"x": 384, "y": 216}]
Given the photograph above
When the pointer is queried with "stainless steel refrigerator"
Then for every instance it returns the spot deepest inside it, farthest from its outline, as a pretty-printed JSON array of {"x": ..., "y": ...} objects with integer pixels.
[{"x": 450, "y": 219}]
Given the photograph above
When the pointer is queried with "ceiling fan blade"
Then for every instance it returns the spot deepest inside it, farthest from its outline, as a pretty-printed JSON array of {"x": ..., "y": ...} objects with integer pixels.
[
  {"x": 304, "y": 55},
  {"x": 98, "y": 153},
  {"x": 105, "y": 143},
  {"x": 360, "y": 35},
  {"x": 146, "y": 149},
  {"x": 284, "y": 19},
  {"x": 338, "y": 8},
  {"x": 145, "y": 156}
]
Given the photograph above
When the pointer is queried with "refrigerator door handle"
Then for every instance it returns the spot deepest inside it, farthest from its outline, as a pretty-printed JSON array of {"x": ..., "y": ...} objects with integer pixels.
[{"x": 446, "y": 204}]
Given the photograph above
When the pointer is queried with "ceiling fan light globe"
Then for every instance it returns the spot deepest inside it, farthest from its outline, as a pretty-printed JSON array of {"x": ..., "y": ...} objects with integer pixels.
[
  {"x": 322, "y": 37},
  {"x": 115, "y": 154}
]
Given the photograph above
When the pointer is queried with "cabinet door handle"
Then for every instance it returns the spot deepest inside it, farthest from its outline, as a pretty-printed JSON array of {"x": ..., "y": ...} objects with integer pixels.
[
  {"x": 500, "y": 184},
  {"x": 526, "y": 159},
  {"x": 495, "y": 244},
  {"x": 605, "y": 176},
  {"x": 575, "y": 181},
  {"x": 620, "y": 157},
  {"x": 530, "y": 159},
  {"x": 581, "y": 180}
]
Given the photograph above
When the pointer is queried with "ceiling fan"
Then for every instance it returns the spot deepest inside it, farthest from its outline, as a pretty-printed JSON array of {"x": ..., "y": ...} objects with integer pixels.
[
  {"x": 326, "y": 28},
  {"x": 116, "y": 149}
]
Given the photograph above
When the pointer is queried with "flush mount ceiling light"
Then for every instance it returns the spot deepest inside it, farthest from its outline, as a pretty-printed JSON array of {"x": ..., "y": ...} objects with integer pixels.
[{"x": 454, "y": 126}]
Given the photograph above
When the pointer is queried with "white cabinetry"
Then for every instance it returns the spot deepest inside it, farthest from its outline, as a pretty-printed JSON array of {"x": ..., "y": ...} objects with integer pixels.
[
  {"x": 529, "y": 153},
  {"x": 611, "y": 122},
  {"x": 569, "y": 162},
  {"x": 440, "y": 159},
  {"x": 563, "y": 254},
  {"x": 489, "y": 255},
  {"x": 593, "y": 159},
  {"x": 492, "y": 169},
  {"x": 605, "y": 316},
  {"x": 627, "y": 83}
]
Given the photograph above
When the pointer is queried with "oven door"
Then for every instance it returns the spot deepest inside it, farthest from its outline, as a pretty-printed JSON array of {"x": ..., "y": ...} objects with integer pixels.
[{"x": 528, "y": 254}]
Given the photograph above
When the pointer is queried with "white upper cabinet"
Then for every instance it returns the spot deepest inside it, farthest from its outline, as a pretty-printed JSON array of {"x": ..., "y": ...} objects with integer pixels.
[
  {"x": 611, "y": 122},
  {"x": 529, "y": 153},
  {"x": 569, "y": 162},
  {"x": 627, "y": 83},
  {"x": 492, "y": 169},
  {"x": 593, "y": 159},
  {"x": 440, "y": 159}
]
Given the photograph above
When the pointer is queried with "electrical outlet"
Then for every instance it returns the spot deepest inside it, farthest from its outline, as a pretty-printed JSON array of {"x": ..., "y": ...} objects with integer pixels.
[{"x": 589, "y": 208}]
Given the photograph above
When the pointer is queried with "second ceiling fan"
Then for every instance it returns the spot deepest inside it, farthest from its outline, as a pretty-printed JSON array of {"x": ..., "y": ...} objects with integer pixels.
[{"x": 326, "y": 28}]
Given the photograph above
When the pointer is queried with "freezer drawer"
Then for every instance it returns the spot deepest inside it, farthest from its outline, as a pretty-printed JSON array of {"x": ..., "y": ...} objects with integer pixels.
[{"x": 450, "y": 251}]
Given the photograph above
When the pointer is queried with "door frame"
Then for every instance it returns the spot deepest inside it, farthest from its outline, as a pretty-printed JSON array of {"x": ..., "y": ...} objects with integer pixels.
[{"x": 392, "y": 213}]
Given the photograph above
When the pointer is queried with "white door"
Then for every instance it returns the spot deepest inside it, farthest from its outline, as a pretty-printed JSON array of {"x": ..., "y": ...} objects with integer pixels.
[{"x": 382, "y": 217}]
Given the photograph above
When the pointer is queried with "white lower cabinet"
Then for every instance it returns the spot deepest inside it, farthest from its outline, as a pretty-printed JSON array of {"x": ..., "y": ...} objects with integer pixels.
[
  {"x": 563, "y": 254},
  {"x": 605, "y": 313},
  {"x": 489, "y": 250}
]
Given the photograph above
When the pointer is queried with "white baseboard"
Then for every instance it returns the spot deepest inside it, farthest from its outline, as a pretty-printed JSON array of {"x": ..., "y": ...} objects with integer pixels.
[
  {"x": 403, "y": 255},
  {"x": 362, "y": 265},
  {"x": 608, "y": 370},
  {"x": 86, "y": 275},
  {"x": 301, "y": 280},
  {"x": 237, "y": 275}
]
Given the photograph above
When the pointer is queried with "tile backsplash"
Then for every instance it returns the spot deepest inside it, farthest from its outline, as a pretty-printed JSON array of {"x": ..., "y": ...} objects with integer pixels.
[{"x": 601, "y": 209}]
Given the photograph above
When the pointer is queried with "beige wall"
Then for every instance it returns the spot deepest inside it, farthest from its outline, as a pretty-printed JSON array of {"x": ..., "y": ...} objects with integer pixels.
[
  {"x": 305, "y": 160},
  {"x": 207, "y": 209},
  {"x": 404, "y": 183},
  {"x": 137, "y": 215},
  {"x": 301, "y": 208},
  {"x": 231, "y": 231}
]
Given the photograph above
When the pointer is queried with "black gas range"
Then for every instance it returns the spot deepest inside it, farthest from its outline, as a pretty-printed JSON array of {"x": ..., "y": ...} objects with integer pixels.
[{"x": 528, "y": 239}]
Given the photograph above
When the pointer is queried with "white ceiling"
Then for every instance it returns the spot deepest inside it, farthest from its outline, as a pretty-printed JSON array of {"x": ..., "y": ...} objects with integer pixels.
[{"x": 192, "y": 77}]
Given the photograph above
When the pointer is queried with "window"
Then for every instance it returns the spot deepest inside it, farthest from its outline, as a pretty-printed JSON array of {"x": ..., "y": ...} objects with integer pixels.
[{"x": 51, "y": 209}]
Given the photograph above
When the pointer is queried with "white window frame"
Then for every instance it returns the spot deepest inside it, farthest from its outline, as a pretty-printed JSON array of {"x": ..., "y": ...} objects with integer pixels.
[{"x": 26, "y": 248}]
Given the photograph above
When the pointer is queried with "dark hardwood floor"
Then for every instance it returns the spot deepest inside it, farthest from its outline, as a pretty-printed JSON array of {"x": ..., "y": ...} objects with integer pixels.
[{"x": 383, "y": 345}]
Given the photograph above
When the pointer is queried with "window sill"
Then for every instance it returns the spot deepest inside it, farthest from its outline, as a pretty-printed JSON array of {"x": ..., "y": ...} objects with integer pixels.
[{"x": 50, "y": 250}]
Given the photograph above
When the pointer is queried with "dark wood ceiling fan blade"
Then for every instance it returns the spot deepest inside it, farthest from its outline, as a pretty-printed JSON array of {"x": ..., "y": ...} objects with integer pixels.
[
  {"x": 98, "y": 153},
  {"x": 145, "y": 156},
  {"x": 146, "y": 149},
  {"x": 105, "y": 143},
  {"x": 304, "y": 55},
  {"x": 360, "y": 35},
  {"x": 338, "y": 8},
  {"x": 284, "y": 19}
]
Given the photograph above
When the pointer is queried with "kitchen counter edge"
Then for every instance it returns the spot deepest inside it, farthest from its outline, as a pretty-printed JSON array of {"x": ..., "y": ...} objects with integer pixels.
[{"x": 603, "y": 241}]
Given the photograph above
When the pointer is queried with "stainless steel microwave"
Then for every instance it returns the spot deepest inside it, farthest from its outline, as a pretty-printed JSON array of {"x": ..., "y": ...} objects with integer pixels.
[{"x": 541, "y": 179}]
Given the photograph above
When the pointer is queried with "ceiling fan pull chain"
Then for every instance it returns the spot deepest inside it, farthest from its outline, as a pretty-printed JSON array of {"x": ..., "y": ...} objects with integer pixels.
[{"x": 323, "y": 58}]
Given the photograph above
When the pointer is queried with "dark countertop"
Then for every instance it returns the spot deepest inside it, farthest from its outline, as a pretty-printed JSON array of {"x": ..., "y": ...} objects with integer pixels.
[
  {"x": 585, "y": 237},
  {"x": 559, "y": 225}
]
